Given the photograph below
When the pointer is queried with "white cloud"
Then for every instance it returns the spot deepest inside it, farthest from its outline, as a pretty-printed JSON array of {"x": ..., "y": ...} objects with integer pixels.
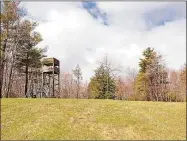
[{"x": 75, "y": 37}]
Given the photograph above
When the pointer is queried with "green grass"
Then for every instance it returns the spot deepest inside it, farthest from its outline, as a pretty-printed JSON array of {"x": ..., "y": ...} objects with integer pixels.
[{"x": 71, "y": 119}]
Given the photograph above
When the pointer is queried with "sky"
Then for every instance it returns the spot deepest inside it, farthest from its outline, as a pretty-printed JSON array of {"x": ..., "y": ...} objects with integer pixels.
[{"x": 84, "y": 32}]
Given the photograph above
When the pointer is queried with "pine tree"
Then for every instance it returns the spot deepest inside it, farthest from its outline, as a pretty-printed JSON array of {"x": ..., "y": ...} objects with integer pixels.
[
  {"x": 28, "y": 55},
  {"x": 102, "y": 84},
  {"x": 151, "y": 82},
  {"x": 141, "y": 85}
]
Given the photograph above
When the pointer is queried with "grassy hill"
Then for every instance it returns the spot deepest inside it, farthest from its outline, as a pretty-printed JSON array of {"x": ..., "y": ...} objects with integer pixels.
[{"x": 91, "y": 119}]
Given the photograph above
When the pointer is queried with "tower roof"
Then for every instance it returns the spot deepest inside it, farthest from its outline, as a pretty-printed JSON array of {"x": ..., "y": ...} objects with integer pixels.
[{"x": 50, "y": 61}]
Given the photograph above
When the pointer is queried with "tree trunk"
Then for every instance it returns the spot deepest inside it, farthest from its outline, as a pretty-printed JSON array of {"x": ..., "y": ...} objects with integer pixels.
[
  {"x": 26, "y": 77},
  {"x": 9, "y": 82},
  {"x": 78, "y": 91},
  {"x": 1, "y": 77},
  {"x": 11, "y": 69},
  {"x": 2, "y": 64},
  {"x": 78, "y": 86}
]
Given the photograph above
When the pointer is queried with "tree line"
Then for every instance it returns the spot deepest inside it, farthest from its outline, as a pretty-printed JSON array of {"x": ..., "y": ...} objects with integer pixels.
[
  {"x": 20, "y": 65},
  {"x": 152, "y": 82}
]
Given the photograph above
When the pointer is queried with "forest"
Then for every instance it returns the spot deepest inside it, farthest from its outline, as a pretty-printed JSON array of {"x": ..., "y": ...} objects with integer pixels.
[{"x": 20, "y": 63}]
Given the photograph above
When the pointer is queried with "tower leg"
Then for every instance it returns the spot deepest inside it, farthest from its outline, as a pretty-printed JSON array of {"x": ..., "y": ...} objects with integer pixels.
[
  {"x": 53, "y": 81},
  {"x": 42, "y": 90},
  {"x": 58, "y": 85}
]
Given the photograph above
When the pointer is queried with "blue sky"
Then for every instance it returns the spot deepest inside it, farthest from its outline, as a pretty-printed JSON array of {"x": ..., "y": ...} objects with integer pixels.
[
  {"x": 153, "y": 18},
  {"x": 96, "y": 12},
  {"x": 161, "y": 16}
]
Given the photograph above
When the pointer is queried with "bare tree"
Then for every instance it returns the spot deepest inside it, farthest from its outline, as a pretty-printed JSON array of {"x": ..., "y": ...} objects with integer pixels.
[
  {"x": 120, "y": 88},
  {"x": 177, "y": 85},
  {"x": 131, "y": 72},
  {"x": 78, "y": 77}
]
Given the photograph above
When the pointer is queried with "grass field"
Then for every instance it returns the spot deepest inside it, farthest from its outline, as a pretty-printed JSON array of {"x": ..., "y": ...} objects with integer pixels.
[{"x": 67, "y": 119}]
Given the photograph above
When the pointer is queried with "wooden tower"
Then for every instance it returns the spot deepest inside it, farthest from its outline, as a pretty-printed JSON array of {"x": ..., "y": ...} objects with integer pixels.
[{"x": 50, "y": 78}]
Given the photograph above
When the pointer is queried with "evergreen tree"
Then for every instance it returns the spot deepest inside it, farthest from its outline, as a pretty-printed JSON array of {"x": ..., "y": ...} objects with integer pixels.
[
  {"x": 151, "y": 80},
  {"x": 102, "y": 84},
  {"x": 28, "y": 55}
]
